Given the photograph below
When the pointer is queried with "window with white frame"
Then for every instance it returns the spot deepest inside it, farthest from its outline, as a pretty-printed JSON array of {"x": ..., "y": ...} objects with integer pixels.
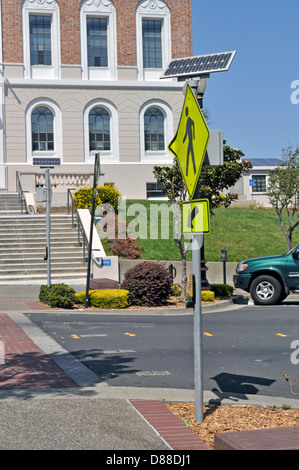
[
  {"x": 98, "y": 40},
  {"x": 156, "y": 129},
  {"x": 259, "y": 184},
  {"x": 153, "y": 38},
  {"x": 101, "y": 131},
  {"x": 97, "y": 47},
  {"x": 152, "y": 43},
  {"x": 41, "y": 39},
  {"x": 154, "y": 191},
  {"x": 43, "y": 129}
]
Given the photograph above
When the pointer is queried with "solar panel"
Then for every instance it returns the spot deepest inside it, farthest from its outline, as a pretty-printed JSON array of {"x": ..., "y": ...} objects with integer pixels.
[
  {"x": 45, "y": 161},
  {"x": 199, "y": 65},
  {"x": 266, "y": 161}
]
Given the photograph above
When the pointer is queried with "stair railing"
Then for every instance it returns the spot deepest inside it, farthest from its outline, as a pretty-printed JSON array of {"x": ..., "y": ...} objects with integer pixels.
[
  {"x": 20, "y": 190},
  {"x": 76, "y": 223}
]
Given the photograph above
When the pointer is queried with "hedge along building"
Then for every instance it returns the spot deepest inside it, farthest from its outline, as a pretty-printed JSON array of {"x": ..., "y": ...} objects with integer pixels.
[{"x": 80, "y": 77}]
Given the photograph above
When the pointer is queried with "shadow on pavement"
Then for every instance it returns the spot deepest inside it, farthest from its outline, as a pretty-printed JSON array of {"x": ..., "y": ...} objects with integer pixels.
[{"x": 236, "y": 386}]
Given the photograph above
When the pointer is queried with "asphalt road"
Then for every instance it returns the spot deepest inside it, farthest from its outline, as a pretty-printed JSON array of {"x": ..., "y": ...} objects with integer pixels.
[{"x": 245, "y": 351}]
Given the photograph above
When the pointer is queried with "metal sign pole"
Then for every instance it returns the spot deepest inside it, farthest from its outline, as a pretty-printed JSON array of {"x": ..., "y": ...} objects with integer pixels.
[
  {"x": 195, "y": 71},
  {"x": 48, "y": 218},
  {"x": 46, "y": 163},
  {"x": 197, "y": 242},
  {"x": 197, "y": 327}
]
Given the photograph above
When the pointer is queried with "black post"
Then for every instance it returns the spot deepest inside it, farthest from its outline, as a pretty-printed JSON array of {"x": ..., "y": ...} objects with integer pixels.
[
  {"x": 95, "y": 177},
  {"x": 224, "y": 259},
  {"x": 172, "y": 272}
]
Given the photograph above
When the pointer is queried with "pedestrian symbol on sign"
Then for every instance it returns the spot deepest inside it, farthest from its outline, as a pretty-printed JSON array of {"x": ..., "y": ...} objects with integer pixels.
[
  {"x": 190, "y": 133},
  {"x": 190, "y": 141}
]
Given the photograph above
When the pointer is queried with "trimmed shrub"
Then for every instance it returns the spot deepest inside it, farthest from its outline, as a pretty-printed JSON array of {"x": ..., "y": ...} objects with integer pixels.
[
  {"x": 80, "y": 297},
  {"x": 105, "y": 298},
  {"x": 57, "y": 295},
  {"x": 126, "y": 248},
  {"x": 207, "y": 295},
  {"x": 176, "y": 290},
  {"x": 222, "y": 290},
  {"x": 83, "y": 197},
  {"x": 148, "y": 284},
  {"x": 107, "y": 194},
  {"x": 43, "y": 294}
]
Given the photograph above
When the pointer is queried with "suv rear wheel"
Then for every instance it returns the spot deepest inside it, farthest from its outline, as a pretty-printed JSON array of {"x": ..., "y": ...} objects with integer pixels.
[{"x": 265, "y": 290}]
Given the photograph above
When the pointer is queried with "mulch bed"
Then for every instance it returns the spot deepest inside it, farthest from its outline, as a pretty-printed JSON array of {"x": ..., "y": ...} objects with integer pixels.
[{"x": 225, "y": 418}]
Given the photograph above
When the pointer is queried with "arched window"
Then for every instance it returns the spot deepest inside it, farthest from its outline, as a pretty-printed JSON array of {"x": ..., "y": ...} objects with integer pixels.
[
  {"x": 42, "y": 129},
  {"x": 99, "y": 129},
  {"x": 154, "y": 130},
  {"x": 100, "y": 119}
]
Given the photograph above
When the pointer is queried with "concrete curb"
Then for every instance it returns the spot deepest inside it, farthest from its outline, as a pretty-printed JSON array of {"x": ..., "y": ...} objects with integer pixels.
[{"x": 235, "y": 301}]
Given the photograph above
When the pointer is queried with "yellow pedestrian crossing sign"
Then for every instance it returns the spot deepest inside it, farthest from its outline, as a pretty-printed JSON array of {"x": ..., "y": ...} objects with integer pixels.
[
  {"x": 190, "y": 142},
  {"x": 196, "y": 217}
]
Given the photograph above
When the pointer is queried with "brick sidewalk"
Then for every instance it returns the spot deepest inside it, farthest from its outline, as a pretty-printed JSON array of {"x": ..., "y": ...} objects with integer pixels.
[
  {"x": 169, "y": 426},
  {"x": 25, "y": 365}
]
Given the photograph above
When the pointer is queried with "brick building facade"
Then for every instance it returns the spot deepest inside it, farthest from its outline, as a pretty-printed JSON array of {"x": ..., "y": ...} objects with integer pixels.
[{"x": 80, "y": 77}]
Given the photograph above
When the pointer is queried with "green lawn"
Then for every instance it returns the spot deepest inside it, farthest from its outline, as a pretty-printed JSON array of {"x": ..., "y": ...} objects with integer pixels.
[{"x": 245, "y": 232}]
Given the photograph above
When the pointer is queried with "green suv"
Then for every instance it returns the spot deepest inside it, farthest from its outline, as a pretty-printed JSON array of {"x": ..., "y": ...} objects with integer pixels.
[{"x": 270, "y": 279}]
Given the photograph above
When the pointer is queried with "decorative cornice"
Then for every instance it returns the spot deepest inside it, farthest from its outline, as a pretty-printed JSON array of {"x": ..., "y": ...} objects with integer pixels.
[
  {"x": 40, "y": 4},
  {"x": 152, "y": 6},
  {"x": 97, "y": 5}
]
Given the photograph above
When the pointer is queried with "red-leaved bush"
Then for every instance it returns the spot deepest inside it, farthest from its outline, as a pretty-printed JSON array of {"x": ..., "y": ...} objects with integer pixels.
[{"x": 148, "y": 284}]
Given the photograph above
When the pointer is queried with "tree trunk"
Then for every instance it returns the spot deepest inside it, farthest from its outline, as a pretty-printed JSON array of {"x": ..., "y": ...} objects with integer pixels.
[
  {"x": 184, "y": 278},
  {"x": 183, "y": 253}
]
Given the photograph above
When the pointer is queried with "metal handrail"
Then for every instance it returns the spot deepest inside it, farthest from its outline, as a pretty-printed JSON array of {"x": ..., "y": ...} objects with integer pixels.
[
  {"x": 73, "y": 207},
  {"x": 19, "y": 190}
]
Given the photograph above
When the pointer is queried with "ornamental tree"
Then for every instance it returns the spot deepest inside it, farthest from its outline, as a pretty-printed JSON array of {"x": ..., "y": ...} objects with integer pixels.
[
  {"x": 212, "y": 183},
  {"x": 283, "y": 192}
]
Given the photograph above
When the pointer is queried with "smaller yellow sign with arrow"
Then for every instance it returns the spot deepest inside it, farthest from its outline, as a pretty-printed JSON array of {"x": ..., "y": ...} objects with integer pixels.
[
  {"x": 190, "y": 142},
  {"x": 196, "y": 217}
]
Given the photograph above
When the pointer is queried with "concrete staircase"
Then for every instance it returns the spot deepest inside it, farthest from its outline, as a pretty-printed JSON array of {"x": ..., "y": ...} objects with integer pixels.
[
  {"x": 23, "y": 248},
  {"x": 242, "y": 201},
  {"x": 9, "y": 204}
]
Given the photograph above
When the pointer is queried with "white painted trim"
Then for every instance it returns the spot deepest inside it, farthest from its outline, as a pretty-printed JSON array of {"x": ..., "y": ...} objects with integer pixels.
[
  {"x": 263, "y": 168},
  {"x": 252, "y": 175},
  {"x": 74, "y": 164},
  {"x": 1, "y": 42},
  {"x": 44, "y": 7},
  {"x": 106, "y": 10},
  {"x": 111, "y": 156},
  {"x": 57, "y": 128},
  {"x": 149, "y": 9},
  {"x": 159, "y": 156},
  {"x": 3, "y": 179},
  {"x": 161, "y": 85}
]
